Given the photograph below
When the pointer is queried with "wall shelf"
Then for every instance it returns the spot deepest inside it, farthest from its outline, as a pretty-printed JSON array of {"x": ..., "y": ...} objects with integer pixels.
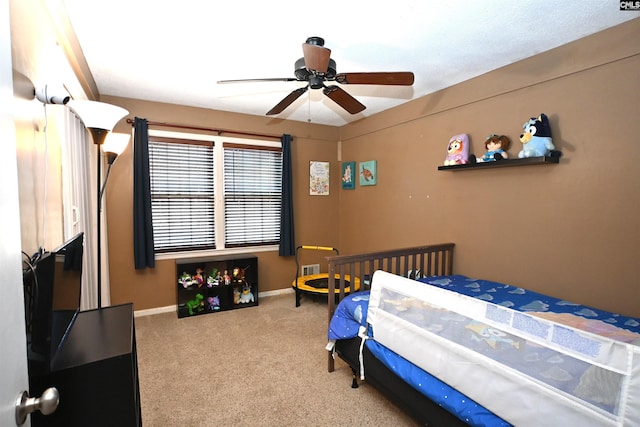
[{"x": 529, "y": 161}]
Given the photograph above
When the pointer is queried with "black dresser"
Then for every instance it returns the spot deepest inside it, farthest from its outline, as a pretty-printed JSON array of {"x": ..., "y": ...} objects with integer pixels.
[{"x": 95, "y": 372}]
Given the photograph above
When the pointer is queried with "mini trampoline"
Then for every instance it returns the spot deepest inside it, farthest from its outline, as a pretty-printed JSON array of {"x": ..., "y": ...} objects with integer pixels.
[{"x": 318, "y": 284}]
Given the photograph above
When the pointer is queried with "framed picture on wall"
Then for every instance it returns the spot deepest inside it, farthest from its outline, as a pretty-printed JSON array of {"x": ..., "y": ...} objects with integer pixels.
[
  {"x": 318, "y": 178},
  {"x": 368, "y": 173},
  {"x": 348, "y": 175}
]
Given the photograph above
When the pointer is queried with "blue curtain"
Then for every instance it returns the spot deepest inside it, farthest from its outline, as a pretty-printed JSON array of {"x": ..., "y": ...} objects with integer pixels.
[
  {"x": 287, "y": 240},
  {"x": 144, "y": 255}
]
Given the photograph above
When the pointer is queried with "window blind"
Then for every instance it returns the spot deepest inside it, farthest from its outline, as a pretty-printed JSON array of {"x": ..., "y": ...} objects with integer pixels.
[
  {"x": 182, "y": 195},
  {"x": 252, "y": 195}
]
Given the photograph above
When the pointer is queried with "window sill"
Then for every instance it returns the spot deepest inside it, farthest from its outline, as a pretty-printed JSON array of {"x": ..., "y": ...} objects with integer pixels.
[{"x": 215, "y": 252}]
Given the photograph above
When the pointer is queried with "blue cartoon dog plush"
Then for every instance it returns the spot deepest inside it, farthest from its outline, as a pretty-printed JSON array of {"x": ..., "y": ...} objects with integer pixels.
[{"x": 536, "y": 139}]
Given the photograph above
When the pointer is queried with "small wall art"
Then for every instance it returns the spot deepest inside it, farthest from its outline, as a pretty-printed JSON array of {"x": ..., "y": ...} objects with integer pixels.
[
  {"x": 368, "y": 173},
  {"x": 348, "y": 175},
  {"x": 318, "y": 178}
]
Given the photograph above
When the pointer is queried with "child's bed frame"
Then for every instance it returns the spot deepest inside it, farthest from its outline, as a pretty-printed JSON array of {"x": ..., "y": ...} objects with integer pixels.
[
  {"x": 606, "y": 378},
  {"x": 413, "y": 262}
]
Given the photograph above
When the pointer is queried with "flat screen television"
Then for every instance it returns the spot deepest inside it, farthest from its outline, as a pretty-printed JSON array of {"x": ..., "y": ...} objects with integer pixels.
[{"x": 56, "y": 292}]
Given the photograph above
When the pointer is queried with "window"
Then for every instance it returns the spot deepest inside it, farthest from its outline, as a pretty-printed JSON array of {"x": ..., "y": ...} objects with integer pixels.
[
  {"x": 252, "y": 195},
  {"x": 214, "y": 194}
]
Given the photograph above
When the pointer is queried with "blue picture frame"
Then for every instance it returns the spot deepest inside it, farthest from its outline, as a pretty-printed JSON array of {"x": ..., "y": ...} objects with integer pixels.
[
  {"x": 348, "y": 176},
  {"x": 367, "y": 172}
]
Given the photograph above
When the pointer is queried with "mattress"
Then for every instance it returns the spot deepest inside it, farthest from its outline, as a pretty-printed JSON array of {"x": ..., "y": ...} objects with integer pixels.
[{"x": 523, "y": 355}]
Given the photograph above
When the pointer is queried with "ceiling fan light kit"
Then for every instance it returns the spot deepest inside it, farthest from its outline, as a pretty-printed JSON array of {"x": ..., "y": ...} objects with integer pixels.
[{"x": 316, "y": 68}]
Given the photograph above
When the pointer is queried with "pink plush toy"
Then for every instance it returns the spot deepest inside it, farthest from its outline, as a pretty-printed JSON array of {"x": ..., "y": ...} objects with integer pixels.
[{"x": 457, "y": 150}]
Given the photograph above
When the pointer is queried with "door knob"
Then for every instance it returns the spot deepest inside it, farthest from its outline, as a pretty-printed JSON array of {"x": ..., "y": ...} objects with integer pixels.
[{"x": 46, "y": 404}]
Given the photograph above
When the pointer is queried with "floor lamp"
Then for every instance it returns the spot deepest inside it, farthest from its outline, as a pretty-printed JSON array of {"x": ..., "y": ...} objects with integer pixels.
[{"x": 99, "y": 118}]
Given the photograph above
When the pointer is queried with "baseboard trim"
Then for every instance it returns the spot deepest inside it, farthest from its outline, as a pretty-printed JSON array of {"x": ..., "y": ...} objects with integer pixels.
[
  {"x": 174, "y": 308},
  {"x": 276, "y": 292},
  {"x": 157, "y": 310}
]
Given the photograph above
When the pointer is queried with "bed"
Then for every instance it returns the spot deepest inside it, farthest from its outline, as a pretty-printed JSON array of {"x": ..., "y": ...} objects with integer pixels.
[{"x": 453, "y": 350}]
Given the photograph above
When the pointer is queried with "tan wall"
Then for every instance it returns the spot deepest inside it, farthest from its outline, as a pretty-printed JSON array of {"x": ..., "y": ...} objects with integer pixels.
[
  {"x": 568, "y": 230},
  {"x": 316, "y": 216}
]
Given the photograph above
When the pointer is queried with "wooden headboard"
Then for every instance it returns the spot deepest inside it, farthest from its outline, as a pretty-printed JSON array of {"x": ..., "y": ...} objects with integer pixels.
[{"x": 414, "y": 262}]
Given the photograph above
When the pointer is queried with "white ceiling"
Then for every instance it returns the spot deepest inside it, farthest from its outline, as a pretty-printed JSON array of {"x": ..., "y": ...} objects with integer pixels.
[{"x": 175, "y": 52}]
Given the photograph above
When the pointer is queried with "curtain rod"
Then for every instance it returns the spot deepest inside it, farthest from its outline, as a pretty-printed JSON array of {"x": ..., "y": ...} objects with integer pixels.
[{"x": 218, "y": 131}]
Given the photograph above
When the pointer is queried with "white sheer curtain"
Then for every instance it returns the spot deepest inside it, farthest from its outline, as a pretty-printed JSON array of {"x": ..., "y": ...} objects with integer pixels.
[{"x": 79, "y": 194}]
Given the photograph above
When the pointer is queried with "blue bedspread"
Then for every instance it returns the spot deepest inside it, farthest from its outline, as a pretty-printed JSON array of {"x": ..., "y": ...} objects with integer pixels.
[
  {"x": 351, "y": 314},
  {"x": 528, "y": 301}
]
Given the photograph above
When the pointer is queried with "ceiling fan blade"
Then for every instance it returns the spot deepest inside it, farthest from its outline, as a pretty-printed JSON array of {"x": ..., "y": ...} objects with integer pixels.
[
  {"x": 400, "y": 78},
  {"x": 288, "y": 100},
  {"x": 343, "y": 99},
  {"x": 316, "y": 58},
  {"x": 283, "y": 79}
]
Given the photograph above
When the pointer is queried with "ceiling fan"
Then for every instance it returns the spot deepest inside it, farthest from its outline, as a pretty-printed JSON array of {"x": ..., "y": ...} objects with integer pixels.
[{"x": 317, "y": 67}]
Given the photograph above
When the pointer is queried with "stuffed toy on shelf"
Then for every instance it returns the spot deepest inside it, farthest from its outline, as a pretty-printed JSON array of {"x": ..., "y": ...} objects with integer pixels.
[
  {"x": 496, "y": 146},
  {"x": 536, "y": 139},
  {"x": 213, "y": 303},
  {"x": 213, "y": 278},
  {"x": 185, "y": 280},
  {"x": 457, "y": 150},
  {"x": 246, "y": 296},
  {"x": 196, "y": 305},
  {"x": 198, "y": 278}
]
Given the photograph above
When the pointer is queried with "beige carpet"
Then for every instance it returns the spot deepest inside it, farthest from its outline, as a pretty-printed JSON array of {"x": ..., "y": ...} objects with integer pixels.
[{"x": 255, "y": 366}]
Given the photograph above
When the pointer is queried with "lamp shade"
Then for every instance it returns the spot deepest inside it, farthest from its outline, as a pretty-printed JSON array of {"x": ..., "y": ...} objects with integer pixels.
[
  {"x": 98, "y": 115},
  {"x": 116, "y": 143}
]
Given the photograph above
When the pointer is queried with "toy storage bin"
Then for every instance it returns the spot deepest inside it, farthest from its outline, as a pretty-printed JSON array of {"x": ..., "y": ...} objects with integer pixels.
[{"x": 211, "y": 285}]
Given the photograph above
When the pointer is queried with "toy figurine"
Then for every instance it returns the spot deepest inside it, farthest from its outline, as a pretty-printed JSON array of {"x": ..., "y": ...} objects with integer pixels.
[
  {"x": 496, "y": 146},
  {"x": 536, "y": 139},
  {"x": 236, "y": 296},
  {"x": 185, "y": 280},
  {"x": 212, "y": 278},
  {"x": 246, "y": 296},
  {"x": 197, "y": 278},
  {"x": 457, "y": 150},
  {"x": 227, "y": 278},
  {"x": 195, "y": 304},
  {"x": 213, "y": 303},
  {"x": 238, "y": 275}
]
